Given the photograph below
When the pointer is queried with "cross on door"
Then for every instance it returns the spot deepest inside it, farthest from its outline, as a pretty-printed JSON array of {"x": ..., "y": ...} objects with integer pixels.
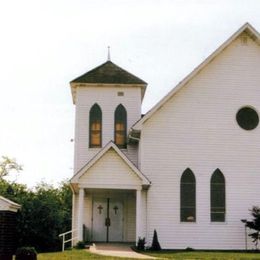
[
  {"x": 115, "y": 209},
  {"x": 100, "y": 209}
]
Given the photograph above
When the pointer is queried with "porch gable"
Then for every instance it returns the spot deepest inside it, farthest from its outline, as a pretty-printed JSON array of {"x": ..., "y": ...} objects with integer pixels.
[{"x": 110, "y": 168}]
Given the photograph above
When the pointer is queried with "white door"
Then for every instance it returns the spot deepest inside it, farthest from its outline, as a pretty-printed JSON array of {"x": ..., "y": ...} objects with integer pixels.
[
  {"x": 116, "y": 220},
  {"x": 107, "y": 220},
  {"x": 99, "y": 215}
]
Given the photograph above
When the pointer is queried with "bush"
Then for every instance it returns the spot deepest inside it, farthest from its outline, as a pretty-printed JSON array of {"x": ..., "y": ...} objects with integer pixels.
[
  {"x": 155, "y": 244},
  {"x": 45, "y": 213},
  {"x": 254, "y": 224},
  {"x": 26, "y": 253},
  {"x": 141, "y": 244},
  {"x": 80, "y": 245},
  {"x": 189, "y": 249}
]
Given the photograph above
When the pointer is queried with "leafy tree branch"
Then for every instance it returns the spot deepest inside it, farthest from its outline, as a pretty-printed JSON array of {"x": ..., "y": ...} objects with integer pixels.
[{"x": 7, "y": 165}]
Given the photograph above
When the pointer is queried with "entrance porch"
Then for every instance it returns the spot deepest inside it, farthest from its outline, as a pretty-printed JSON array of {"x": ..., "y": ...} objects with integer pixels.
[
  {"x": 109, "y": 198},
  {"x": 109, "y": 215}
]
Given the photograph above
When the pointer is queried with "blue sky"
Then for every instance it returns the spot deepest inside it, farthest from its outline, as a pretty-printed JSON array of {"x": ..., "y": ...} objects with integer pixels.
[{"x": 46, "y": 43}]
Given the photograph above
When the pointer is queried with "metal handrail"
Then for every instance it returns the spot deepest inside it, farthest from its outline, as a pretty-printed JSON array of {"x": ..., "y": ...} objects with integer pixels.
[{"x": 68, "y": 240}]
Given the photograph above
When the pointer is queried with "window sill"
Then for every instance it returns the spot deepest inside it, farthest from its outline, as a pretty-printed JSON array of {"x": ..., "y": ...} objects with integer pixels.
[
  {"x": 218, "y": 223},
  {"x": 188, "y": 222}
]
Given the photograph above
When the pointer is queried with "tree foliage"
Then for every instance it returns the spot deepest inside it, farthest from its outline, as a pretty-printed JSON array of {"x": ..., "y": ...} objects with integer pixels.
[
  {"x": 7, "y": 165},
  {"x": 45, "y": 213},
  {"x": 254, "y": 224}
]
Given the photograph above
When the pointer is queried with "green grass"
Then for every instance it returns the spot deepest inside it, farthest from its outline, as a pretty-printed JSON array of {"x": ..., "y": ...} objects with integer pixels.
[
  {"x": 72, "y": 255},
  {"x": 83, "y": 254},
  {"x": 205, "y": 255}
]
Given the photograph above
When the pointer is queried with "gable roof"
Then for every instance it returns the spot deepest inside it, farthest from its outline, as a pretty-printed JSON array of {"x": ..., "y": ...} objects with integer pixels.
[
  {"x": 108, "y": 73},
  {"x": 249, "y": 29},
  {"x": 95, "y": 159}
]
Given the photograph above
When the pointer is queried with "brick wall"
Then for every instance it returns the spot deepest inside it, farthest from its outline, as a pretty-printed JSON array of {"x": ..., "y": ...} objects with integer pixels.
[{"x": 8, "y": 237}]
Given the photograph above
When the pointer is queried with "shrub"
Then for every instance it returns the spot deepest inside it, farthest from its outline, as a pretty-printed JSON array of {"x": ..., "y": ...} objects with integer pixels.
[
  {"x": 80, "y": 245},
  {"x": 254, "y": 224},
  {"x": 155, "y": 244},
  {"x": 189, "y": 249},
  {"x": 26, "y": 253},
  {"x": 141, "y": 243}
]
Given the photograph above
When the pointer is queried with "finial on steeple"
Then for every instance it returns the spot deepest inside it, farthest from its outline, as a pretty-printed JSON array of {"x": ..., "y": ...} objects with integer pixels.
[{"x": 108, "y": 53}]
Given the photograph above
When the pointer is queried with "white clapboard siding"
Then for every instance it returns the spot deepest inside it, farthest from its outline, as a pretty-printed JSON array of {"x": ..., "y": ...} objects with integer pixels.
[
  {"x": 132, "y": 153},
  {"x": 108, "y": 100},
  {"x": 197, "y": 128},
  {"x": 130, "y": 219},
  {"x": 110, "y": 169}
]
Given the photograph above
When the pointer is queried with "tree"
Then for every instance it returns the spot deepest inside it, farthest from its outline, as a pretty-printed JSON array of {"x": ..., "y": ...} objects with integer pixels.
[
  {"x": 46, "y": 210},
  {"x": 254, "y": 224},
  {"x": 45, "y": 213},
  {"x": 7, "y": 164}
]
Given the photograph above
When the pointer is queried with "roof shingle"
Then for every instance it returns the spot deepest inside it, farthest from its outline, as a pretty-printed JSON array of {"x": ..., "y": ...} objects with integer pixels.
[{"x": 108, "y": 73}]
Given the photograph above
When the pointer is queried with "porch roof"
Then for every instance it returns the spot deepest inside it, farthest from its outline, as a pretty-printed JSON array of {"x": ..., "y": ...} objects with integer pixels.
[{"x": 99, "y": 182}]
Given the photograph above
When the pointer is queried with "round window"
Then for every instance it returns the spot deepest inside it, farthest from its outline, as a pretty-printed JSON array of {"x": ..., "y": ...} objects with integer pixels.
[{"x": 247, "y": 118}]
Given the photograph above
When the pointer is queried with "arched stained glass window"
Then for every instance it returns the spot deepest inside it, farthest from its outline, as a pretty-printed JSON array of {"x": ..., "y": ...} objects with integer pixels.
[
  {"x": 95, "y": 126},
  {"x": 217, "y": 197},
  {"x": 120, "y": 126},
  {"x": 188, "y": 196}
]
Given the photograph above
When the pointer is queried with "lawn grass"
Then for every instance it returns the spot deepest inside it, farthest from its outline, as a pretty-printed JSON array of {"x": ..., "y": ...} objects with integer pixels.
[
  {"x": 204, "y": 255},
  {"x": 72, "y": 255},
  {"x": 195, "y": 255}
]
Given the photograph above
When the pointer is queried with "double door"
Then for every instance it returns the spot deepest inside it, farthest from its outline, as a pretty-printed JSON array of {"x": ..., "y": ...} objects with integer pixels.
[{"x": 107, "y": 220}]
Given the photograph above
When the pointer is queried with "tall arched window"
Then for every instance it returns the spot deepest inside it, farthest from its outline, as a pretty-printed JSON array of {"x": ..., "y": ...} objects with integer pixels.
[
  {"x": 95, "y": 126},
  {"x": 217, "y": 197},
  {"x": 120, "y": 126},
  {"x": 188, "y": 196}
]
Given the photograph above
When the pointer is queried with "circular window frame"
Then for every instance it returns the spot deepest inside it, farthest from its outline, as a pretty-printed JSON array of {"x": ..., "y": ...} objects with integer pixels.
[{"x": 243, "y": 126}]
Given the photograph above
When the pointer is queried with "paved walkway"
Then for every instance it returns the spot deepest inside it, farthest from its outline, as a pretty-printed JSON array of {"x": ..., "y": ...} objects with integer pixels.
[{"x": 115, "y": 249}]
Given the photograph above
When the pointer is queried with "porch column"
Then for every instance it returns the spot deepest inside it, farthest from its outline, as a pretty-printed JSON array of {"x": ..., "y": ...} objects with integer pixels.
[
  {"x": 80, "y": 214},
  {"x": 138, "y": 214}
]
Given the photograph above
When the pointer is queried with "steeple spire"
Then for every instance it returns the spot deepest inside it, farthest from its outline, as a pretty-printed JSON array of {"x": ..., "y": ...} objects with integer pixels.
[{"x": 108, "y": 53}]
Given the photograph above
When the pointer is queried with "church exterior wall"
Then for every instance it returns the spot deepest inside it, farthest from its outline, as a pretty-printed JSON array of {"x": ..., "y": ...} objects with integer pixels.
[
  {"x": 197, "y": 128},
  {"x": 108, "y": 100},
  {"x": 110, "y": 170}
]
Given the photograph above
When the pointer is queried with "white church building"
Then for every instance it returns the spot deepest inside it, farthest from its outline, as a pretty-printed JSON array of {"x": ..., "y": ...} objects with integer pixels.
[{"x": 189, "y": 167}]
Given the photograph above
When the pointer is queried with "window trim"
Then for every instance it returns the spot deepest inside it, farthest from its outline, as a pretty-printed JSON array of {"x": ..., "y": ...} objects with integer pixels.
[
  {"x": 218, "y": 171},
  {"x": 120, "y": 109},
  {"x": 188, "y": 171},
  {"x": 247, "y": 128},
  {"x": 92, "y": 118}
]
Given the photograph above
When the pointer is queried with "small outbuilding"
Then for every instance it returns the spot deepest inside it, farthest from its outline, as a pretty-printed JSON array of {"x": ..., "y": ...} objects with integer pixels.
[{"x": 8, "y": 236}]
